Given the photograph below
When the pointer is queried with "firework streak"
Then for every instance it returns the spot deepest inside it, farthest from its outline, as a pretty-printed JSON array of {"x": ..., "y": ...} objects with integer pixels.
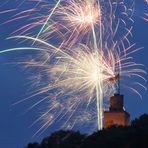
[{"x": 146, "y": 14}]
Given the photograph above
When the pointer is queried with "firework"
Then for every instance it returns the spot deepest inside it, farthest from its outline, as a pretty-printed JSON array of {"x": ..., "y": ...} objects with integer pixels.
[
  {"x": 83, "y": 49},
  {"x": 146, "y": 14}
]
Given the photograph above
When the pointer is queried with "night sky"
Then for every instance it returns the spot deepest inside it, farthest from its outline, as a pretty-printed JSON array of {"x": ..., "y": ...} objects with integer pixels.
[{"x": 14, "y": 121}]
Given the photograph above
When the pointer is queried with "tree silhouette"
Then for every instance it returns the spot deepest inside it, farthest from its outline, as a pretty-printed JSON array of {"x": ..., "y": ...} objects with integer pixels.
[
  {"x": 134, "y": 136},
  {"x": 63, "y": 139}
]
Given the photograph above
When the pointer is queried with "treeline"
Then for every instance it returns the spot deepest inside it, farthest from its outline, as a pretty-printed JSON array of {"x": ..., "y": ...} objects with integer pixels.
[{"x": 134, "y": 136}]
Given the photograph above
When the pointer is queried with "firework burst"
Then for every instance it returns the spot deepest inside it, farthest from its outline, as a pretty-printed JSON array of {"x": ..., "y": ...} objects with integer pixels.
[{"x": 83, "y": 47}]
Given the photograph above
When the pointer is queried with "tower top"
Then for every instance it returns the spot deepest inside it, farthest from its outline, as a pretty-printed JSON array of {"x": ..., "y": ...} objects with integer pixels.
[{"x": 116, "y": 102}]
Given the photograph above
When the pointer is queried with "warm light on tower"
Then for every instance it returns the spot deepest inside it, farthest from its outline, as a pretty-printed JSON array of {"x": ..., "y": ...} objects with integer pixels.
[{"x": 116, "y": 116}]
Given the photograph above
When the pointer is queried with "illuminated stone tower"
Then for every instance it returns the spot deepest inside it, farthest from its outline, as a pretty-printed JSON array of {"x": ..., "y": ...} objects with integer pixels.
[{"x": 116, "y": 114}]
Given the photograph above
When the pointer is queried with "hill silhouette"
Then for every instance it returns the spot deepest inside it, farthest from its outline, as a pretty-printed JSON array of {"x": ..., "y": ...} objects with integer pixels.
[{"x": 134, "y": 136}]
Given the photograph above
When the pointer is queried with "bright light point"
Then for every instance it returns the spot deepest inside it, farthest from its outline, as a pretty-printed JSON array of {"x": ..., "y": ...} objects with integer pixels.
[{"x": 94, "y": 76}]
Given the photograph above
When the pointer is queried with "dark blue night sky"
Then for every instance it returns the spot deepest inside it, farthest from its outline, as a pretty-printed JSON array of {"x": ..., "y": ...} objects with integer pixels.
[{"x": 14, "y": 122}]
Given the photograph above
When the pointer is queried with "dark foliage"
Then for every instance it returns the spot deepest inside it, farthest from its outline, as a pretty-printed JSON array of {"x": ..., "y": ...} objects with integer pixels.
[{"x": 134, "y": 136}]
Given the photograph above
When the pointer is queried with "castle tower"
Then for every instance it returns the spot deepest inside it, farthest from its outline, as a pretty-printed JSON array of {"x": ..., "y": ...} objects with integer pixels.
[{"x": 116, "y": 114}]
